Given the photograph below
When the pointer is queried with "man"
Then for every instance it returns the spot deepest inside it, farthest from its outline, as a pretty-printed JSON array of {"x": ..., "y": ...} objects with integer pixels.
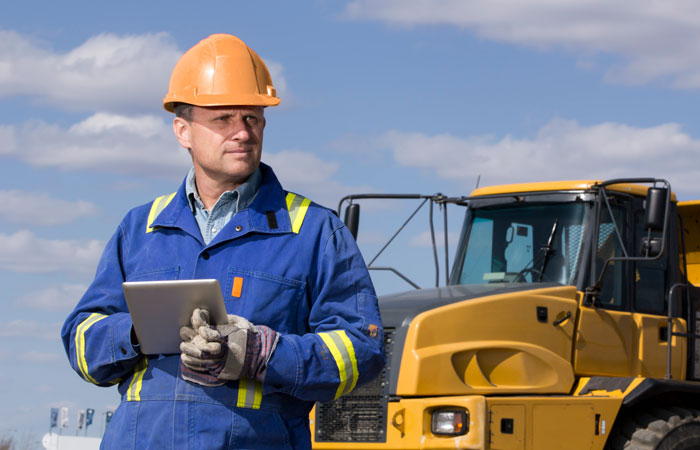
[{"x": 303, "y": 318}]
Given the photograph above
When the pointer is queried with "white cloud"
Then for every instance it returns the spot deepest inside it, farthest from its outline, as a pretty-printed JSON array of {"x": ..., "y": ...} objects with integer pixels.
[
  {"x": 30, "y": 329},
  {"x": 145, "y": 145},
  {"x": 309, "y": 175},
  {"x": 22, "y": 251},
  {"x": 107, "y": 72},
  {"x": 56, "y": 298},
  {"x": 297, "y": 167},
  {"x": 41, "y": 209},
  {"x": 655, "y": 39},
  {"x": 102, "y": 142},
  {"x": 276, "y": 73},
  {"x": 562, "y": 149}
]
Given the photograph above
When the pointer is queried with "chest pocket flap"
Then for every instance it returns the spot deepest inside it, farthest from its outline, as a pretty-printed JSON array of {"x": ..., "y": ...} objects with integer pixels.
[{"x": 266, "y": 299}]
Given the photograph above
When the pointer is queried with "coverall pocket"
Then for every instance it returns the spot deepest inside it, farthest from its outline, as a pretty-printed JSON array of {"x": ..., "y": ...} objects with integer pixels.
[
  {"x": 265, "y": 299},
  {"x": 163, "y": 273}
]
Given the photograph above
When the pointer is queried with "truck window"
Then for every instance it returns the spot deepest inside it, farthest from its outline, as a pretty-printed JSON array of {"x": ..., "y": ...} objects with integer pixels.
[
  {"x": 610, "y": 246},
  {"x": 509, "y": 243},
  {"x": 650, "y": 276}
]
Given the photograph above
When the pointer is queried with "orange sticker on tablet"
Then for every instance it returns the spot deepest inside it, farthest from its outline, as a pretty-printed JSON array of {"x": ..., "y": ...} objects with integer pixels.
[{"x": 237, "y": 286}]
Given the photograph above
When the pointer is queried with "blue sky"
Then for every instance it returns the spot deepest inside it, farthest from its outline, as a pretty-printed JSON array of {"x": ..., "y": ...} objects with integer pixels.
[{"x": 377, "y": 96}]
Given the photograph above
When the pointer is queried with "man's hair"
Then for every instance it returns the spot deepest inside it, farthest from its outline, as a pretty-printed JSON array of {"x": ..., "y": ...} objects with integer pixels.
[{"x": 183, "y": 110}]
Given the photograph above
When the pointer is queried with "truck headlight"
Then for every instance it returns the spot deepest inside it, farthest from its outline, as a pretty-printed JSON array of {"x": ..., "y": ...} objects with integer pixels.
[{"x": 449, "y": 422}]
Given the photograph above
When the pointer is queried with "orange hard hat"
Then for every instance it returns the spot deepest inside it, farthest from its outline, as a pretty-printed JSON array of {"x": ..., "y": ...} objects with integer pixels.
[{"x": 220, "y": 71}]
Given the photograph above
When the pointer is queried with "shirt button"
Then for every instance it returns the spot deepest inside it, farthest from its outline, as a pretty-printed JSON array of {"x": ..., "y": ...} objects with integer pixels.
[
  {"x": 213, "y": 230},
  {"x": 123, "y": 351},
  {"x": 239, "y": 228},
  {"x": 205, "y": 255}
]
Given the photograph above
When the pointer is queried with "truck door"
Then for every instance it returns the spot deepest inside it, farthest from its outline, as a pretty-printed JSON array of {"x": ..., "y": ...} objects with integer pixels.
[
  {"x": 625, "y": 333},
  {"x": 651, "y": 281},
  {"x": 605, "y": 341}
]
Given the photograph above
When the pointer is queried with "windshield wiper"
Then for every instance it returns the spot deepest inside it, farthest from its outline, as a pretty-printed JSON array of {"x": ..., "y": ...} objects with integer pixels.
[{"x": 547, "y": 249}]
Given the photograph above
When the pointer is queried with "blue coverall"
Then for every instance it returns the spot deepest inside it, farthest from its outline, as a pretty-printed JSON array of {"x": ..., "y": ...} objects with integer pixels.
[{"x": 283, "y": 262}]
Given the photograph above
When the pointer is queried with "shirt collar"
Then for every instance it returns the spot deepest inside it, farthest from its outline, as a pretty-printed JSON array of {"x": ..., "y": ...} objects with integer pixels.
[
  {"x": 270, "y": 198},
  {"x": 246, "y": 192}
]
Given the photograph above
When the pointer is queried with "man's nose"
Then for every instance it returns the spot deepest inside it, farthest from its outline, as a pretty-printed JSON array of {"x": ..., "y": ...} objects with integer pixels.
[{"x": 240, "y": 131}]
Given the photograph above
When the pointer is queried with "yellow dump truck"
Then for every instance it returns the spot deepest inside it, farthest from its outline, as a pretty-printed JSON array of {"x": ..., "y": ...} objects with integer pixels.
[{"x": 569, "y": 321}]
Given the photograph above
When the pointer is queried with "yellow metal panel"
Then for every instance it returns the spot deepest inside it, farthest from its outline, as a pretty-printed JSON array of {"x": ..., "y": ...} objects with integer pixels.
[
  {"x": 576, "y": 185},
  {"x": 690, "y": 212},
  {"x": 492, "y": 344},
  {"x": 653, "y": 351},
  {"x": 553, "y": 422},
  {"x": 605, "y": 343},
  {"x": 622, "y": 344},
  {"x": 570, "y": 423},
  {"x": 573, "y": 185},
  {"x": 501, "y": 440}
]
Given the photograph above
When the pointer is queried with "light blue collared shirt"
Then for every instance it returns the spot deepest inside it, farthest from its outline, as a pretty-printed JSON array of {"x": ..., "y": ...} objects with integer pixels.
[{"x": 228, "y": 204}]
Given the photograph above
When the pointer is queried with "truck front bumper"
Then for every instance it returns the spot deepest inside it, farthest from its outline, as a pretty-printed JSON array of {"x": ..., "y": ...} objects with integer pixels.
[{"x": 409, "y": 426}]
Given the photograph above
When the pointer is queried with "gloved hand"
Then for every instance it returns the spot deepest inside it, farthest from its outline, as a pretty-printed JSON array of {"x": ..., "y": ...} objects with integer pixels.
[
  {"x": 249, "y": 348},
  {"x": 238, "y": 349},
  {"x": 203, "y": 357}
]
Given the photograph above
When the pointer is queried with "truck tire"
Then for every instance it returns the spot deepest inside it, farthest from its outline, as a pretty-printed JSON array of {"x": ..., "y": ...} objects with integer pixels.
[{"x": 668, "y": 428}]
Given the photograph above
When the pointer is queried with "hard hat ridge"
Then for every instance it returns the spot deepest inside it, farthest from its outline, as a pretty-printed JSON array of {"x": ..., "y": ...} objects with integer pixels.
[{"x": 220, "y": 70}]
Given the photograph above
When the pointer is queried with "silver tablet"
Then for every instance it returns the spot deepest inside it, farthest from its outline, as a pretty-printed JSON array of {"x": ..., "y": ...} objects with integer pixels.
[{"x": 159, "y": 308}]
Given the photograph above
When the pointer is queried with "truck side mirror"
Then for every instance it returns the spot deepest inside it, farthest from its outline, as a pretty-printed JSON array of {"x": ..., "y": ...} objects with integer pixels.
[
  {"x": 352, "y": 218},
  {"x": 655, "y": 210}
]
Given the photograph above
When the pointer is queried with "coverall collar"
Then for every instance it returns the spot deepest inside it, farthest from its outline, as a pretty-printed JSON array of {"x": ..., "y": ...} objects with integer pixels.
[{"x": 269, "y": 202}]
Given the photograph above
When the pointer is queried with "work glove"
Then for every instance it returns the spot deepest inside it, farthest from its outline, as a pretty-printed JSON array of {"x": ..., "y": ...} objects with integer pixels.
[
  {"x": 249, "y": 348},
  {"x": 213, "y": 355},
  {"x": 203, "y": 356}
]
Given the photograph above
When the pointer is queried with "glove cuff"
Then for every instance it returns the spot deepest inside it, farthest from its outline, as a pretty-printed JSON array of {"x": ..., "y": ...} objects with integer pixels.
[
  {"x": 261, "y": 343},
  {"x": 204, "y": 378}
]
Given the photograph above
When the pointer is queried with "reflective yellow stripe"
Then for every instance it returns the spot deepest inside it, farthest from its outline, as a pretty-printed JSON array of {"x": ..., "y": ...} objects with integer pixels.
[
  {"x": 297, "y": 207},
  {"x": 353, "y": 358},
  {"x": 249, "y": 394},
  {"x": 134, "y": 392},
  {"x": 80, "y": 344},
  {"x": 343, "y": 352},
  {"x": 157, "y": 207}
]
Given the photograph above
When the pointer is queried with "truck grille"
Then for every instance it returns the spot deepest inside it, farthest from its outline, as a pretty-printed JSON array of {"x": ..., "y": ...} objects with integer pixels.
[{"x": 359, "y": 416}]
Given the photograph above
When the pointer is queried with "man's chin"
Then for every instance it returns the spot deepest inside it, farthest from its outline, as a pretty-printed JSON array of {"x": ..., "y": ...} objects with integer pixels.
[{"x": 241, "y": 172}]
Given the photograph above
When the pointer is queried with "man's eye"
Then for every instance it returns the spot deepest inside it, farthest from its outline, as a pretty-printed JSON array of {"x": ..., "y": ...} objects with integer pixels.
[{"x": 252, "y": 120}]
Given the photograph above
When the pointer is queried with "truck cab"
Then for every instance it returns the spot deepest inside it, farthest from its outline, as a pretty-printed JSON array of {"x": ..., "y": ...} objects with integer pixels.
[{"x": 569, "y": 321}]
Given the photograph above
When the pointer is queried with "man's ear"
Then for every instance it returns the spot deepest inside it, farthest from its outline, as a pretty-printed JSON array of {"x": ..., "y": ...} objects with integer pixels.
[{"x": 182, "y": 130}]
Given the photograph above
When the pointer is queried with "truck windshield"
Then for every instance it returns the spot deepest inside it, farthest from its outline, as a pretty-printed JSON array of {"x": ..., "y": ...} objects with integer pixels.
[{"x": 523, "y": 244}]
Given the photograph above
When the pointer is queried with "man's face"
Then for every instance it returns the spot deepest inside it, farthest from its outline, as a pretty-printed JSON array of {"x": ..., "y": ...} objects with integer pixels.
[{"x": 225, "y": 141}]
